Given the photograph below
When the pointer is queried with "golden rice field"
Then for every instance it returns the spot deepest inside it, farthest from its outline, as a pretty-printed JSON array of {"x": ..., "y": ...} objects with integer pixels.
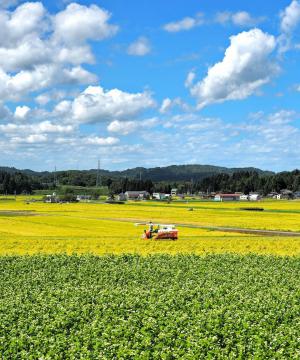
[{"x": 32, "y": 228}]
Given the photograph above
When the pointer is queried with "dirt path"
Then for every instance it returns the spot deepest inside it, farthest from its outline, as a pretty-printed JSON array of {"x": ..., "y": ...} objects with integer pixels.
[{"x": 217, "y": 228}]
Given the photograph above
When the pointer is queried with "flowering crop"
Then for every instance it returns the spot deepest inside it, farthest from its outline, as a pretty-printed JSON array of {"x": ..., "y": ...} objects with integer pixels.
[{"x": 157, "y": 307}]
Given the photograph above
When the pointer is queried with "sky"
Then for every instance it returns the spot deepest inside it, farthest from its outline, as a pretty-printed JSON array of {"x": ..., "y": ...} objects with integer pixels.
[{"x": 149, "y": 83}]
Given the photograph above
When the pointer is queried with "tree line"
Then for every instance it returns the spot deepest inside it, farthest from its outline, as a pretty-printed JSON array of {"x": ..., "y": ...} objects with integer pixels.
[{"x": 239, "y": 181}]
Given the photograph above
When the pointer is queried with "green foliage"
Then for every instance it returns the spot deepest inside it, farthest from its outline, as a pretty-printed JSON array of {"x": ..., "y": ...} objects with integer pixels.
[{"x": 157, "y": 307}]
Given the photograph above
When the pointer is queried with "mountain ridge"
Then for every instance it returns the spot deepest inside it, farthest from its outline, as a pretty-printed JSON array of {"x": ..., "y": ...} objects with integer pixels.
[{"x": 187, "y": 172}]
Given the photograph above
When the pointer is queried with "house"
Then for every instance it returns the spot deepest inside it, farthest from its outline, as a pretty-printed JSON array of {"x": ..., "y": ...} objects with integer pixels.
[
  {"x": 121, "y": 197},
  {"x": 137, "y": 195},
  {"x": 227, "y": 197},
  {"x": 174, "y": 192},
  {"x": 160, "y": 196},
  {"x": 286, "y": 194},
  {"x": 244, "y": 197},
  {"x": 85, "y": 198},
  {"x": 51, "y": 198},
  {"x": 254, "y": 197},
  {"x": 297, "y": 195}
]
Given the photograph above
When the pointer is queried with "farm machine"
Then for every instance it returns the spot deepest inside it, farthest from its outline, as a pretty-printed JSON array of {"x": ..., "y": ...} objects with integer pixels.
[{"x": 159, "y": 231}]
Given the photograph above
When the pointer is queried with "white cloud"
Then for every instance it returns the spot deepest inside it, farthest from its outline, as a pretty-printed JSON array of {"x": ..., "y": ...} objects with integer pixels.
[
  {"x": 43, "y": 99},
  {"x": 122, "y": 127},
  {"x": 21, "y": 112},
  {"x": 290, "y": 19},
  {"x": 282, "y": 117},
  {"x": 185, "y": 24},
  {"x": 44, "y": 127},
  {"x": 8, "y": 3},
  {"x": 190, "y": 79},
  {"x": 38, "y": 51},
  {"x": 77, "y": 23},
  {"x": 166, "y": 105},
  {"x": 44, "y": 76},
  {"x": 140, "y": 47},
  {"x": 240, "y": 18},
  {"x": 127, "y": 127},
  {"x": 95, "y": 104},
  {"x": 243, "y": 70},
  {"x": 243, "y": 18},
  {"x": 30, "y": 139},
  {"x": 25, "y": 21},
  {"x": 53, "y": 95},
  {"x": 95, "y": 140}
]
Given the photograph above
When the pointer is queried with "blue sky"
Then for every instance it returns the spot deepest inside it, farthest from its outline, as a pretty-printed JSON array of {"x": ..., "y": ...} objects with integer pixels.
[{"x": 149, "y": 83}]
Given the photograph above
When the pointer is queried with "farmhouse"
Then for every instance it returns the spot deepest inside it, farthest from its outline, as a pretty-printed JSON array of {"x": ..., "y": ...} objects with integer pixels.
[
  {"x": 121, "y": 197},
  {"x": 83, "y": 198},
  {"x": 51, "y": 198},
  {"x": 297, "y": 195},
  {"x": 285, "y": 194},
  {"x": 227, "y": 197},
  {"x": 244, "y": 197},
  {"x": 254, "y": 197},
  {"x": 137, "y": 195},
  {"x": 160, "y": 196}
]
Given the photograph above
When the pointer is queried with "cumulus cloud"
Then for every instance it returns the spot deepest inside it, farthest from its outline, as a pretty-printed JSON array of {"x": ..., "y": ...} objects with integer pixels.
[
  {"x": 140, "y": 47},
  {"x": 127, "y": 127},
  {"x": 184, "y": 24},
  {"x": 95, "y": 104},
  {"x": 244, "y": 69},
  {"x": 14, "y": 87},
  {"x": 168, "y": 104},
  {"x": 240, "y": 18},
  {"x": 8, "y": 3},
  {"x": 290, "y": 19},
  {"x": 21, "y": 112},
  {"x": 77, "y": 23},
  {"x": 38, "y": 50}
]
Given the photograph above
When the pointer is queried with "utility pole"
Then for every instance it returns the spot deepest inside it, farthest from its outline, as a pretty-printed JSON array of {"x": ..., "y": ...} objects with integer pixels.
[
  {"x": 98, "y": 180},
  {"x": 55, "y": 181}
]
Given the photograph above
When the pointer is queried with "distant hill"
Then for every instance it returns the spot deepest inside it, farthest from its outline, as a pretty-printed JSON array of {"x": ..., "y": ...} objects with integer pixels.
[
  {"x": 182, "y": 172},
  {"x": 168, "y": 173}
]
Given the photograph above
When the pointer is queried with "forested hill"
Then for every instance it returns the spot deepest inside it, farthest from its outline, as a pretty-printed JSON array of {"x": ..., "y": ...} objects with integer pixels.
[
  {"x": 183, "y": 172},
  {"x": 168, "y": 173}
]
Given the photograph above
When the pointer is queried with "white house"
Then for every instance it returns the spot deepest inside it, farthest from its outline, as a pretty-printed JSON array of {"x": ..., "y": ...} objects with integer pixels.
[
  {"x": 254, "y": 197},
  {"x": 160, "y": 196},
  {"x": 244, "y": 197}
]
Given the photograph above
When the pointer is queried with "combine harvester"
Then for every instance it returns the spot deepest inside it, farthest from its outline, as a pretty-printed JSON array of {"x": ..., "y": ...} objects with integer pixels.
[{"x": 162, "y": 231}]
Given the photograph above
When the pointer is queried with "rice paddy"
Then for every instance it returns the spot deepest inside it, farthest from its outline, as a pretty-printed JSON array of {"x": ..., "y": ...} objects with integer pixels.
[{"x": 98, "y": 228}]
